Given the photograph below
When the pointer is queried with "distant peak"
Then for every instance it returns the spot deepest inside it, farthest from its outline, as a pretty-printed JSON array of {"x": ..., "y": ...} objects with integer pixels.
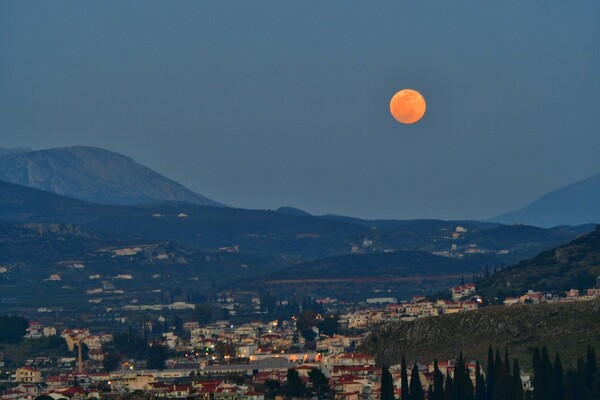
[
  {"x": 293, "y": 211},
  {"x": 94, "y": 174}
]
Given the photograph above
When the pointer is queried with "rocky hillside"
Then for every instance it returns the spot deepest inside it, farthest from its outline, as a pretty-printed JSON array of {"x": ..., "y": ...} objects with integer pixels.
[
  {"x": 92, "y": 174},
  {"x": 564, "y": 327}
]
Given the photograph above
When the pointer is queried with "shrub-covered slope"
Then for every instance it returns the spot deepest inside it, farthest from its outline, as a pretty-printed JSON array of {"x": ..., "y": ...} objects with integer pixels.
[{"x": 564, "y": 327}]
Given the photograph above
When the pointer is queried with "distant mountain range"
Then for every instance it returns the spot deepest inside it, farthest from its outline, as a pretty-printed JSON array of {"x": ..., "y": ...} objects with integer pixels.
[
  {"x": 575, "y": 204},
  {"x": 193, "y": 247},
  {"x": 43, "y": 228},
  {"x": 92, "y": 174},
  {"x": 105, "y": 177},
  {"x": 269, "y": 232}
]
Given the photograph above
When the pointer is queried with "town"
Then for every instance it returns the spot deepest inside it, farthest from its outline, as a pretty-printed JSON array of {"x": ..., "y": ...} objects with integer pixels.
[{"x": 315, "y": 351}]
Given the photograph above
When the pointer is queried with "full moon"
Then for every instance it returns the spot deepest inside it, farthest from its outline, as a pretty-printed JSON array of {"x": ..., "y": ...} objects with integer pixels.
[{"x": 407, "y": 106}]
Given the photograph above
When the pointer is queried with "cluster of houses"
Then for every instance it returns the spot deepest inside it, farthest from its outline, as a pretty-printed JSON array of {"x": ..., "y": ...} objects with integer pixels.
[
  {"x": 263, "y": 351},
  {"x": 532, "y": 297},
  {"x": 208, "y": 355},
  {"x": 352, "y": 376},
  {"x": 382, "y": 310}
]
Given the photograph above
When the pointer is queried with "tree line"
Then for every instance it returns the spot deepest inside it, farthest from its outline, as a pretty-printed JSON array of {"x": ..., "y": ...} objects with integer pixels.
[
  {"x": 294, "y": 387},
  {"x": 12, "y": 328},
  {"x": 501, "y": 380}
]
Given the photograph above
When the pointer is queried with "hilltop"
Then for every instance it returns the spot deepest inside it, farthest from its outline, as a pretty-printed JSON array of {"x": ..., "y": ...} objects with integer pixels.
[
  {"x": 574, "y": 265},
  {"x": 92, "y": 174},
  {"x": 564, "y": 327}
]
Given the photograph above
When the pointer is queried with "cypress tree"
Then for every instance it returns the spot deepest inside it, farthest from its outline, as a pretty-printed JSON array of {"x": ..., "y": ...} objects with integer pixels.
[
  {"x": 570, "y": 383},
  {"x": 449, "y": 388},
  {"x": 580, "y": 380},
  {"x": 506, "y": 362},
  {"x": 469, "y": 388},
  {"x": 503, "y": 386},
  {"x": 416, "y": 389},
  {"x": 438, "y": 382},
  {"x": 387, "y": 384},
  {"x": 518, "y": 383},
  {"x": 537, "y": 374},
  {"x": 404, "y": 380},
  {"x": 498, "y": 360},
  {"x": 479, "y": 383},
  {"x": 463, "y": 386},
  {"x": 548, "y": 388},
  {"x": 591, "y": 366},
  {"x": 489, "y": 376},
  {"x": 507, "y": 377},
  {"x": 430, "y": 394},
  {"x": 459, "y": 378},
  {"x": 559, "y": 379}
]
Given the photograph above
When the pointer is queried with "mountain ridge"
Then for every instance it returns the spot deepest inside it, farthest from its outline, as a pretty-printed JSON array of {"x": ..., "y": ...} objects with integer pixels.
[
  {"x": 93, "y": 174},
  {"x": 574, "y": 204}
]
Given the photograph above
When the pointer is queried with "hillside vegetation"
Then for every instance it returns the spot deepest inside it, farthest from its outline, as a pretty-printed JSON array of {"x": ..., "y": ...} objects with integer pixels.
[
  {"x": 564, "y": 327},
  {"x": 400, "y": 263},
  {"x": 574, "y": 265}
]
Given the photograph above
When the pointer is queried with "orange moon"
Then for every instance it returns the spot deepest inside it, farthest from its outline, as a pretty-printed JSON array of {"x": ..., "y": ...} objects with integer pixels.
[{"x": 408, "y": 106}]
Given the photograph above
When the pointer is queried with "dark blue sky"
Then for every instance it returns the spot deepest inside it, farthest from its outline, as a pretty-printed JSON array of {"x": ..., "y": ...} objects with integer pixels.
[{"x": 269, "y": 103}]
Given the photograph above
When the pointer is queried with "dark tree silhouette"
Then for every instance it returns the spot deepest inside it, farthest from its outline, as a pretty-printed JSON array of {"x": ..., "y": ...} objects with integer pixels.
[
  {"x": 404, "y": 391},
  {"x": 416, "y": 388},
  {"x": 387, "y": 384}
]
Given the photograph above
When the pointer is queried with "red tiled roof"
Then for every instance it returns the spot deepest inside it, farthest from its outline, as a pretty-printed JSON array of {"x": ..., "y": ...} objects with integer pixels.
[
  {"x": 28, "y": 368},
  {"x": 72, "y": 390},
  {"x": 180, "y": 388},
  {"x": 227, "y": 390},
  {"x": 208, "y": 387}
]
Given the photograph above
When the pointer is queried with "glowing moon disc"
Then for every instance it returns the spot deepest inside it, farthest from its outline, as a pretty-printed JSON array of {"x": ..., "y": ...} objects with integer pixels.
[{"x": 407, "y": 106}]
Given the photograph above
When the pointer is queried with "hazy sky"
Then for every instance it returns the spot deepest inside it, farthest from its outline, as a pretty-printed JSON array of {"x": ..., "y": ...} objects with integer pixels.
[{"x": 260, "y": 104}]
